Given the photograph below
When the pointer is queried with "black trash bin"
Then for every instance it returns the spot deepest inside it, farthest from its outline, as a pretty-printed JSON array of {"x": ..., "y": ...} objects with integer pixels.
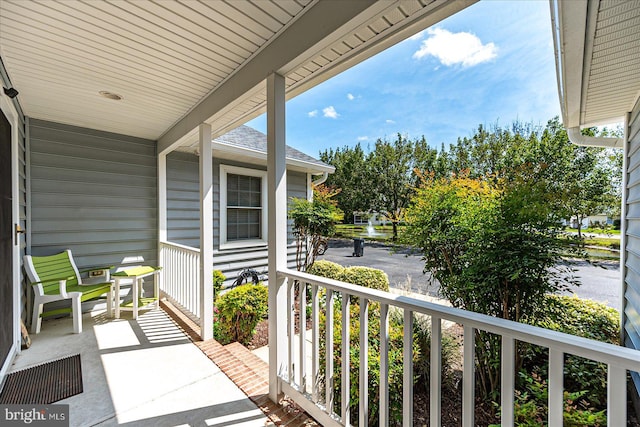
[{"x": 358, "y": 247}]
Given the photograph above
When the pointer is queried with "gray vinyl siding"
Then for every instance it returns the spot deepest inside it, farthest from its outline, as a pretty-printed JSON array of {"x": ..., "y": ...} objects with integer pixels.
[
  {"x": 631, "y": 300},
  {"x": 22, "y": 187},
  {"x": 183, "y": 213},
  {"x": 92, "y": 192}
]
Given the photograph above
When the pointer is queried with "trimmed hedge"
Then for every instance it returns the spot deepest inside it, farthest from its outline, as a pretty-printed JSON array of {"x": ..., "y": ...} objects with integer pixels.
[
  {"x": 327, "y": 269},
  {"x": 363, "y": 276},
  {"x": 238, "y": 311},
  {"x": 371, "y": 278}
]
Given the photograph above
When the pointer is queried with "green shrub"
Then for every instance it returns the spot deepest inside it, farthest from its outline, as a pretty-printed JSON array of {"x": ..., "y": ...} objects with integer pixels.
[
  {"x": 239, "y": 311},
  {"x": 531, "y": 406},
  {"x": 364, "y": 276},
  {"x": 218, "y": 280},
  {"x": 421, "y": 359},
  {"x": 585, "y": 381},
  {"x": 327, "y": 269},
  {"x": 450, "y": 352},
  {"x": 368, "y": 277}
]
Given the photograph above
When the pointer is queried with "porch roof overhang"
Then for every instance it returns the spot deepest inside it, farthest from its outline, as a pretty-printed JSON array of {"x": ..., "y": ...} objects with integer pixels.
[
  {"x": 597, "y": 46},
  {"x": 180, "y": 63}
]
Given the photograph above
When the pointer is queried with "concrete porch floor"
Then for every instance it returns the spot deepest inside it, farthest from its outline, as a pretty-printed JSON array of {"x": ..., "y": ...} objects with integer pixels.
[{"x": 142, "y": 372}]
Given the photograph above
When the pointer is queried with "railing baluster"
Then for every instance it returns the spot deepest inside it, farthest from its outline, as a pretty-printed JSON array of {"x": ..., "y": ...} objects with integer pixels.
[
  {"x": 384, "y": 365},
  {"x": 616, "y": 396},
  {"x": 435, "y": 399},
  {"x": 468, "y": 377},
  {"x": 507, "y": 379},
  {"x": 315, "y": 342},
  {"x": 329, "y": 354},
  {"x": 346, "y": 365},
  {"x": 364, "y": 362},
  {"x": 556, "y": 387},
  {"x": 619, "y": 360},
  {"x": 407, "y": 370},
  {"x": 290, "y": 330},
  {"x": 181, "y": 275},
  {"x": 302, "y": 367}
]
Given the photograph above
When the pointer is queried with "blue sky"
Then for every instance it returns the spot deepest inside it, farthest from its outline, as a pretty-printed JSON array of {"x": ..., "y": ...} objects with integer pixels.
[{"x": 491, "y": 63}]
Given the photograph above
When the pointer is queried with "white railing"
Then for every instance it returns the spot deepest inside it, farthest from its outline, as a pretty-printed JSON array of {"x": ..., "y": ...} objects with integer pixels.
[
  {"x": 181, "y": 276},
  {"x": 301, "y": 382}
]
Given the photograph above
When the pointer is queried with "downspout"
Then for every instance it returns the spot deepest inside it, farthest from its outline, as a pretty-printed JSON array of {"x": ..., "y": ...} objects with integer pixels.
[
  {"x": 576, "y": 137},
  {"x": 322, "y": 179}
]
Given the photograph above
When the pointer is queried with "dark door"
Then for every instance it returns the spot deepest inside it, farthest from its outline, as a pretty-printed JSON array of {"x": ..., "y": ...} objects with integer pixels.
[{"x": 6, "y": 242}]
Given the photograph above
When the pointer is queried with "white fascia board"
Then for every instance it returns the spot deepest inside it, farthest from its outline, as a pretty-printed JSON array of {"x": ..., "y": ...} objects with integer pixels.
[
  {"x": 309, "y": 167},
  {"x": 296, "y": 41},
  {"x": 435, "y": 12}
]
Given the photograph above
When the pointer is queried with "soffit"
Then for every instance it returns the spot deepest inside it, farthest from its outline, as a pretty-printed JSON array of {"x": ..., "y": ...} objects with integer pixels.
[
  {"x": 167, "y": 57},
  {"x": 599, "y": 60},
  {"x": 613, "y": 83}
]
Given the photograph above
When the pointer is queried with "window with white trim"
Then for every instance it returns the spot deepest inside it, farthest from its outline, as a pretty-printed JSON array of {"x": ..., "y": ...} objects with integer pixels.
[{"x": 243, "y": 196}]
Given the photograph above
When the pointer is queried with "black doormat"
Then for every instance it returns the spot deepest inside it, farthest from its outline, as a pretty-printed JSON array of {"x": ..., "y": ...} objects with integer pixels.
[{"x": 43, "y": 384}]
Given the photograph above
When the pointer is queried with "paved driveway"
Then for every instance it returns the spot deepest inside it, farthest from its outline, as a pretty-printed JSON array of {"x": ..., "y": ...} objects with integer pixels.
[{"x": 404, "y": 268}]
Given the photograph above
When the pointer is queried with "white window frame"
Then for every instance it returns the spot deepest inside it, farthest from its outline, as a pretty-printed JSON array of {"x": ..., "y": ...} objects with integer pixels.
[{"x": 235, "y": 170}]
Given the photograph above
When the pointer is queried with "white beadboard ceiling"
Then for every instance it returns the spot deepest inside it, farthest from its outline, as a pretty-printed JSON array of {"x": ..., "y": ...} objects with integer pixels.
[
  {"x": 179, "y": 63},
  {"x": 599, "y": 59}
]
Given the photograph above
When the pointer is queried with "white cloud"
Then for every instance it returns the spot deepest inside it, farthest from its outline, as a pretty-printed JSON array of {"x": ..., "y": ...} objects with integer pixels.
[
  {"x": 390, "y": 122},
  {"x": 312, "y": 113},
  {"x": 330, "y": 112},
  {"x": 461, "y": 48},
  {"x": 363, "y": 138},
  {"x": 350, "y": 97}
]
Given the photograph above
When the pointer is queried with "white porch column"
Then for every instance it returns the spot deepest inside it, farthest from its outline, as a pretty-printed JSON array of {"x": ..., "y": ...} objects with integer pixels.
[
  {"x": 206, "y": 232},
  {"x": 277, "y": 230},
  {"x": 162, "y": 213}
]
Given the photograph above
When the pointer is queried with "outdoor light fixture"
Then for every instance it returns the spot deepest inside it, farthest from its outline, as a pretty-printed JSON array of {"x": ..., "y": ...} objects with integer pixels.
[
  {"x": 10, "y": 92},
  {"x": 110, "y": 95}
]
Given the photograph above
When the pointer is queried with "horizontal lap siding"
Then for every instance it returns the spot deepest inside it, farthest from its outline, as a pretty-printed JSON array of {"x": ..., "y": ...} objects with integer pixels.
[
  {"x": 183, "y": 213},
  {"x": 94, "y": 193},
  {"x": 632, "y": 248}
]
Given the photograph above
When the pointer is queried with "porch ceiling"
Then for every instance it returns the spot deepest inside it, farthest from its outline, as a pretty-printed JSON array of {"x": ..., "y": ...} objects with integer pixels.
[
  {"x": 598, "y": 52},
  {"x": 180, "y": 63}
]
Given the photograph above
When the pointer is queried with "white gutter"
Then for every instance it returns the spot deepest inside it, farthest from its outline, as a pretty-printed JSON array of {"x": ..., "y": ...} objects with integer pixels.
[
  {"x": 322, "y": 179},
  {"x": 576, "y": 137}
]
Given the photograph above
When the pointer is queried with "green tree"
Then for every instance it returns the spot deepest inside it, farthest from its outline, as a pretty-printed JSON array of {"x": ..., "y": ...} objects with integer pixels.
[
  {"x": 491, "y": 244},
  {"x": 393, "y": 171},
  {"x": 586, "y": 182},
  {"x": 312, "y": 221},
  {"x": 351, "y": 176}
]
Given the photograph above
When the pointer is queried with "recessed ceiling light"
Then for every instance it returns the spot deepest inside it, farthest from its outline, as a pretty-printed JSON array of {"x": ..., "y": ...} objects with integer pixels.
[{"x": 110, "y": 95}]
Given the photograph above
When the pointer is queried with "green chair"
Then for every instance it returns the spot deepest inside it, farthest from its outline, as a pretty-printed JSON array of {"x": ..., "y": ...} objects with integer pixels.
[{"x": 56, "y": 278}]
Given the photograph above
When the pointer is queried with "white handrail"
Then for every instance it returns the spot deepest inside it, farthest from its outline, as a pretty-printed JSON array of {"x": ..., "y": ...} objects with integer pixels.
[
  {"x": 595, "y": 350},
  {"x": 619, "y": 359},
  {"x": 181, "y": 276}
]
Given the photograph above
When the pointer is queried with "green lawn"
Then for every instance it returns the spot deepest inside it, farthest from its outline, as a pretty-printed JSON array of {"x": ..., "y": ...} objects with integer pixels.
[
  {"x": 382, "y": 233},
  {"x": 595, "y": 231}
]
